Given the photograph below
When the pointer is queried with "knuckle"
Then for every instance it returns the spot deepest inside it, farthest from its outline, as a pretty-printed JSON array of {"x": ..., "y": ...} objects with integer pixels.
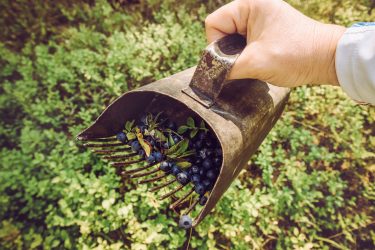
[{"x": 208, "y": 21}]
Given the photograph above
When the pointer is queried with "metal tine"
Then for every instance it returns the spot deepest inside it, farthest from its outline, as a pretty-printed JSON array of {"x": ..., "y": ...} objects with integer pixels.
[
  {"x": 103, "y": 145},
  {"x": 144, "y": 173},
  {"x": 105, "y": 139},
  {"x": 132, "y": 171},
  {"x": 171, "y": 192},
  {"x": 192, "y": 206},
  {"x": 181, "y": 200},
  {"x": 110, "y": 151},
  {"x": 156, "y": 188},
  {"x": 125, "y": 163},
  {"x": 119, "y": 157},
  {"x": 153, "y": 179}
]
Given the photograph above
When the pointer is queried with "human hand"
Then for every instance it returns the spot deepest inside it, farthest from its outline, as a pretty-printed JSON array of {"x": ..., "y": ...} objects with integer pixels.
[{"x": 284, "y": 47}]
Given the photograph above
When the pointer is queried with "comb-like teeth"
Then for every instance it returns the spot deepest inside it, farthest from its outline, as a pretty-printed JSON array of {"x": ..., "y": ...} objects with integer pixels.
[
  {"x": 144, "y": 173},
  {"x": 156, "y": 188},
  {"x": 106, "y": 139},
  {"x": 192, "y": 206},
  {"x": 119, "y": 157},
  {"x": 132, "y": 171},
  {"x": 125, "y": 163},
  {"x": 110, "y": 151},
  {"x": 181, "y": 200},
  {"x": 153, "y": 179},
  {"x": 103, "y": 145},
  {"x": 171, "y": 192}
]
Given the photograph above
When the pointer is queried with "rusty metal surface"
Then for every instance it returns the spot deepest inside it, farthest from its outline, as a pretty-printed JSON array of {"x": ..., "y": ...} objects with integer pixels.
[
  {"x": 242, "y": 115},
  {"x": 213, "y": 68}
]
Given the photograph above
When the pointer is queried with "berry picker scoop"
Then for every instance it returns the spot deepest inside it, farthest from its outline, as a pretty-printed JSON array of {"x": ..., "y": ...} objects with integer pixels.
[{"x": 238, "y": 115}]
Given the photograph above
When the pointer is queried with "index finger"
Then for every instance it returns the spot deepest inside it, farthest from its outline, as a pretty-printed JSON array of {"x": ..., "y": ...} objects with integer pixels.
[{"x": 228, "y": 19}]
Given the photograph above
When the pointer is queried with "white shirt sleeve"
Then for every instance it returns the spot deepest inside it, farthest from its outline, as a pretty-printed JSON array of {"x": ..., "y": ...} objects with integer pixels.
[{"x": 355, "y": 63}]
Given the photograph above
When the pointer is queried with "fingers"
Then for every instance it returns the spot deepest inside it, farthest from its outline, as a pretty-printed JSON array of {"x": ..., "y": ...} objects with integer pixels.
[
  {"x": 250, "y": 64},
  {"x": 229, "y": 19}
]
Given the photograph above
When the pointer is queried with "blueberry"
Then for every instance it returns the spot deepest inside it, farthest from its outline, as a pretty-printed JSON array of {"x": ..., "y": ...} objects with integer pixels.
[
  {"x": 198, "y": 161},
  {"x": 150, "y": 158},
  {"x": 203, "y": 153},
  {"x": 150, "y": 140},
  {"x": 166, "y": 145},
  {"x": 207, "y": 183},
  {"x": 158, "y": 156},
  {"x": 202, "y": 172},
  {"x": 183, "y": 178},
  {"x": 200, "y": 188},
  {"x": 185, "y": 222},
  {"x": 171, "y": 125},
  {"x": 195, "y": 178},
  {"x": 211, "y": 174},
  {"x": 175, "y": 170},
  {"x": 190, "y": 172},
  {"x": 144, "y": 119},
  {"x": 208, "y": 143},
  {"x": 121, "y": 137},
  {"x": 217, "y": 161},
  {"x": 135, "y": 146},
  {"x": 209, "y": 152},
  {"x": 218, "y": 152},
  {"x": 203, "y": 200},
  {"x": 198, "y": 144},
  {"x": 141, "y": 153},
  {"x": 201, "y": 135},
  {"x": 165, "y": 166},
  {"x": 142, "y": 128},
  {"x": 207, "y": 164},
  {"x": 175, "y": 138},
  {"x": 194, "y": 169}
]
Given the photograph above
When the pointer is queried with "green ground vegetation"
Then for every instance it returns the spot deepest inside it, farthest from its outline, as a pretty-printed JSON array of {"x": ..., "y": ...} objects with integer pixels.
[{"x": 310, "y": 185}]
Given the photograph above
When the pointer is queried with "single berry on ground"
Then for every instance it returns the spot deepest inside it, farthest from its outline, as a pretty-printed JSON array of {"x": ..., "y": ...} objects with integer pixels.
[{"x": 185, "y": 222}]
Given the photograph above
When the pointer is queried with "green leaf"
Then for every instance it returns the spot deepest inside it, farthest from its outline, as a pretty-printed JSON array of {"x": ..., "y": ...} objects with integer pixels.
[
  {"x": 190, "y": 122},
  {"x": 178, "y": 148},
  {"x": 170, "y": 140},
  {"x": 129, "y": 125},
  {"x": 182, "y": 129},
  {"x": 185, "y": 154},
  {"x": 193, "y": 133},
  {"x": 131, "y": 136},
  {"x": 203, "y": 125},
  {"x": 183, "y": 164},
  {"x": 159, "y": 135}
]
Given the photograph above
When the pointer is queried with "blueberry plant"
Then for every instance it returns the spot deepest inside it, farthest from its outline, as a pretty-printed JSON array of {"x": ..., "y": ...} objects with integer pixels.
[{"x": 189, "y": 153}]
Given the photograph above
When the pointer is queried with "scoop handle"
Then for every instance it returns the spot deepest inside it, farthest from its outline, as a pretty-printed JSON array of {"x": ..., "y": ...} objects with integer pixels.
[{"x": 214, "y": 66}]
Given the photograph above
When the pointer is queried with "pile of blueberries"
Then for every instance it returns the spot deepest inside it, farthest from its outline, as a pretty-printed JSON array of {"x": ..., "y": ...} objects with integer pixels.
[{"x": 205, "y": 162}]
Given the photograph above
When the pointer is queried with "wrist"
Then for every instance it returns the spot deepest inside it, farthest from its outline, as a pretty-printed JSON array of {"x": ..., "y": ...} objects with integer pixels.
[{"x": 327, "y": 40}]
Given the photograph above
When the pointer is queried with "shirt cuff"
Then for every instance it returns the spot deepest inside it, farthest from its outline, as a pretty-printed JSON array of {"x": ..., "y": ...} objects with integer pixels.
[{"x": 355, "y": 62}]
